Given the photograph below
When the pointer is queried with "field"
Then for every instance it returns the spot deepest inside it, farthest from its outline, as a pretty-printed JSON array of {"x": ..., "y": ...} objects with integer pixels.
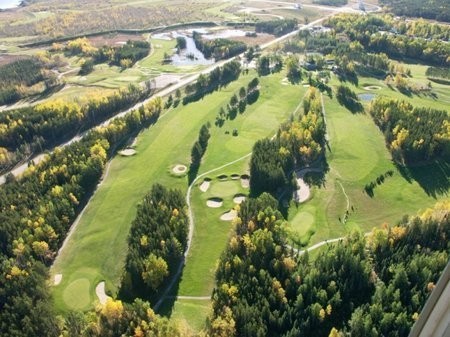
[{"x": 106, "y": 221}]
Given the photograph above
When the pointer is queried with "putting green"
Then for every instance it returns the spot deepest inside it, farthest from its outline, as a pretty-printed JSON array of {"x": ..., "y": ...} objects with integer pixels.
[
  {"x": 225, "y": 189},
  {"x": 302, "y": 222},
  {"x": 76, "y": 294}
]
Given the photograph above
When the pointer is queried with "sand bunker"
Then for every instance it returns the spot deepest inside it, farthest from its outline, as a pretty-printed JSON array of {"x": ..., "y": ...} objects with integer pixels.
[
  {"x": 285, "y": 81},
  {"x": 235, "y": 176},
  {"x": 305, "y": 85},
  {"x": 372, "y": 87},
  {"x": 245, "y": 181},
  {"x": 179, "y": 169},
  {"x": 205, "y": 185},
  {"x": 214, "y": 202},
  {"x": 58, "y": 279},
  {"x": 303, "y": 192},
  {"x": 222, "y": 177},
  {"x": 239, "y": 198},
  {"x": 228, "y": 216},
  {"x": 127, "y": 152},
  {"x": 100, "y": 291}
]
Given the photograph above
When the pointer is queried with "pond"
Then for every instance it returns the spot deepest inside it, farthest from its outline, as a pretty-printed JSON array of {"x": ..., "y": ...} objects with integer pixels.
[
  {"x": 191, "y": 55},
  {"x": 5, "y": 4},
  {"x": 366, "y": 97}
]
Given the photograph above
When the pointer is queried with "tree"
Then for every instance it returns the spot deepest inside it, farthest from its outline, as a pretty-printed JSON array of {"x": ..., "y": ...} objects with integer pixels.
[{"x": 155, "y": 270}]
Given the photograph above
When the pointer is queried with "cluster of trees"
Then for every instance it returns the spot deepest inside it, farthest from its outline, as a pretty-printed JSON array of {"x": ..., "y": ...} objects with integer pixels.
[
  {"x": 348, "y": 98},
  {"x": 219, "y": 49},
  {"x": 267, "y": 64},
  {"x": 33, "y": 129},
  {"x": 36, "y": 214},
  {"x": 361, "y": 287},
  {"x": 423, "y": 28},
  {"x": 198, "y": 150},
  {"x": 412, "y": 134},
  {"x": 438, "y": 74},
  {"x": 17, "y": 77},
  {"x": 298, "y": 142},
  {"x": 217, "y": 78},
  {"x": 276, "y": 27},
  {"x": 124, "y": 56},
  {"x": 369, "y": 187},
  {"x": 156, "y": 243},
  {"x": 238, "y": 102},
  {"x": 181, "y": 43},
  {"x": 377, "y": 34},
  {"x": 428, "y": 9}
]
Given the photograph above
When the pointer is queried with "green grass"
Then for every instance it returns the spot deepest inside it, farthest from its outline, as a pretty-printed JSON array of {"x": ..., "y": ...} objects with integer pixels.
[
  {"x": 191, "y": 313},
  {"x": 358, "y": 155},
  {"x": 97, "y": 248}
]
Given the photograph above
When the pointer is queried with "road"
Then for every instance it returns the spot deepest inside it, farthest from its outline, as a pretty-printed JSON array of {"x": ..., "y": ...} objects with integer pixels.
[{"x": 18, "y": 170}]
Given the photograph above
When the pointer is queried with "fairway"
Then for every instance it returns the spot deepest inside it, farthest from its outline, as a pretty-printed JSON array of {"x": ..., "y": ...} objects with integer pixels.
[
  {"x": 99, "y": 242},
  {"x": 357, "y": 156}
]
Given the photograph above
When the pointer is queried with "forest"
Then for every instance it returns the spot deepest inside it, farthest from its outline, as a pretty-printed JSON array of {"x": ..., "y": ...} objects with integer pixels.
[
  {"x": 378, "y": 34},
  {"x": 298, "y": 142},
  {"x": 360, "y": 286},
  {"x": 156, "y": 243},
  {"x": 17, "y": 78},
  {"x": 36, "y": 214},
  {"x": 429, "y": 9},
  {"x": 276, "y": 27},
  {"x": 30, "y": 130},
  {"x": 219, "y": 49},
  {"x": 413, "y": 135}
]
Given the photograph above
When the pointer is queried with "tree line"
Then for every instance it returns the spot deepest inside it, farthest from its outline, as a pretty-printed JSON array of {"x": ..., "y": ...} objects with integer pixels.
[
  {"x": 360, "y": 286},
  {"x": 428, "y": 9},
  {"x": 197, "y": 151},
  {"x": 36, "y": 214},
  {"x": 219, "y": 49},
  {"x": 413, "y": 134},
  {"x": 17, "y": 78},
  {"x": 298, "y": 142},
  {"x": 33, "y": 129},
  {"x": 378, "y": 34},
  {"x": 156, "y": 243},
  {"x": 276, "y": 27},
  {"x": 207, "y": 83}
]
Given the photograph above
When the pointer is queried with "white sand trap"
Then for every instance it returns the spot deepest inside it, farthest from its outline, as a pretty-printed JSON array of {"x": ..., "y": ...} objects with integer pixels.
[
  {"x": 205, "y": 186},
  {"x": 127, "y": 152},
  {"x": 285, "y": 81},
  {"x": 303, "y": 193},
  {"x": 178, "y": 169},
  {"x": 372, "y": 87},
  {"x": 245, "y": 183},
  {"x": 239, "y": 199},
  {"x": 100, "y": 291},
  {"x": 229, "y": 216},
  {"x": 305, "y": 85},
  {"x": 58, "y": 279},
  {"x": 214, "y": 203}
]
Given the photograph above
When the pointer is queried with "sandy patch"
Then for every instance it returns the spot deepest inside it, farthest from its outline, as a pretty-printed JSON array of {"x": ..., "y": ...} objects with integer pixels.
[
  {"x": 127, "y": 152},
  {"x": 57, "y": 279},
  {"x": 305, "y": 85},
  {"x": 235, "y": 176},
  {"x": 245, "y": 181},
  {"x": 285, "y": 81},
  {"x": 303, "y": 192},
  {"x": 239, "y": 198},
  {"x": 205, "y": 186},
  {"x": 372, "y": 87},
  {"x": 100, "y": 291},
  {"x": 214, "y": 202},
  {"x": 179, "y": 169},
  {"x": 228, "y": 216}
]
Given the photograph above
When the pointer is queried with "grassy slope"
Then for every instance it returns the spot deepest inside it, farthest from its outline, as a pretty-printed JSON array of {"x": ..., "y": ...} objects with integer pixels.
[{"x": 97, "y": 249}]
